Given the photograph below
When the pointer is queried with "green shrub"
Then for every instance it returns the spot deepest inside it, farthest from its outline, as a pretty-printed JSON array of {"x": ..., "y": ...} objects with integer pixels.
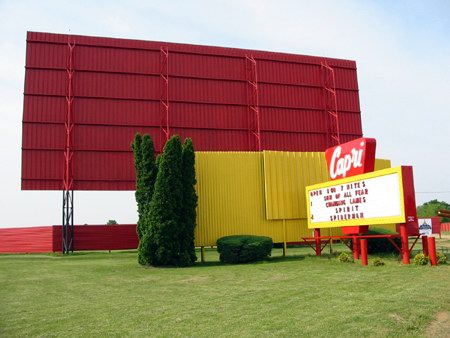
[
  {"x": 420, "y": 259},
  {"x": 381, "y": 245},
  {"x": 378, "y": 262},
  {"x": 243, "y": 249},
  {"x": 344, "y": 257},
  {"x": 441, "y": 258}
]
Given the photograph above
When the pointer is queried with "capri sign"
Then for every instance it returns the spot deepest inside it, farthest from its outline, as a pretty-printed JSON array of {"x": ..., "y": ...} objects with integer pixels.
[
  {"x": 378, "y": 197},
  {"x": 351, "y": 158}
]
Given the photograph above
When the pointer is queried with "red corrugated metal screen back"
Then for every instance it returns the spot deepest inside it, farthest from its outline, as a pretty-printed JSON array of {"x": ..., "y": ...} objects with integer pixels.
[{"x": 119, "y": 87}]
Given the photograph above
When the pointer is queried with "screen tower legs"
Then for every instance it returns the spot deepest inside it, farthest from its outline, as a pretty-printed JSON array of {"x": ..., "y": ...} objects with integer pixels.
[{"x": 67, "y": 222}]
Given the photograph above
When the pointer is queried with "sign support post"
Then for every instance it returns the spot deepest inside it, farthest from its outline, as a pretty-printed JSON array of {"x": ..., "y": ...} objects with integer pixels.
[
  {"x": 432, "y": 251},
  {"x": 317, "y": 238},
  {"x": 364, "y": 251},
  {"x": 355, "y": 247},
  {"x": 425, "y": 245},
  {"x": 405, "y": 244}
]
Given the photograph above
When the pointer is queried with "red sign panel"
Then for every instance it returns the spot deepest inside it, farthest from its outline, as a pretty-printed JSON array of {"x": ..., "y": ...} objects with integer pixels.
[{"x": 352, "y": 158}]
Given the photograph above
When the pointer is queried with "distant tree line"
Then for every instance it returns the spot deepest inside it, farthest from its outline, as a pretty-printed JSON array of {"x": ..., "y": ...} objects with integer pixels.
[
  {"x": 166, "y": 201},
  {"x": 430, "y": 209}
]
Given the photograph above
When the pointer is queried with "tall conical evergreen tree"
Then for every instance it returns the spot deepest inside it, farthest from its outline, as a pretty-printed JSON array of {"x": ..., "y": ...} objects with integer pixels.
[
  {"x": 189, "y": 203},
  {"x": 146, "y": 171},
  {"x": 162, "y": 241},
  {"x": 139, "y": 194},
  {"x": 149, "y": 170}
]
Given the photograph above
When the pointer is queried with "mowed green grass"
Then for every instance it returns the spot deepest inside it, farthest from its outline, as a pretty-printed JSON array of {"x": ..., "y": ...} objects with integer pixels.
[{"x": 110, "y": 295}]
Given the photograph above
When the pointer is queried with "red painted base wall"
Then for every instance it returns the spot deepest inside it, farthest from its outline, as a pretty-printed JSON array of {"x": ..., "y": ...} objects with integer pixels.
[{"x": 87, "y": 237}]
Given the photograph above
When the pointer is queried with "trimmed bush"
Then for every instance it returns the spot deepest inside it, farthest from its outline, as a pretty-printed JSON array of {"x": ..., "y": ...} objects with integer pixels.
[
  {"x": 344, "y": 257},
  {"x": 420, "y": 259},
  {"x": 378, "y": 262},
  {"x": 441, "y": 258},
  {"x": 243, "y": 249}
]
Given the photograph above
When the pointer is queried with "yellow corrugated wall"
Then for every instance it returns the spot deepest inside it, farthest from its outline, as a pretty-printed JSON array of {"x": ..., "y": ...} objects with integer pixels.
[
  {"x": 286, "y": 174},
  {"x": 234, "y": 189},
  {"x": 230, "y": 187}
]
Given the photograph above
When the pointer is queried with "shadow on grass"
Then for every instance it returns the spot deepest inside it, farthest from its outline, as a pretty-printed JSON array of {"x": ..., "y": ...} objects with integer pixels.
[{"x": 270, "y": 260}]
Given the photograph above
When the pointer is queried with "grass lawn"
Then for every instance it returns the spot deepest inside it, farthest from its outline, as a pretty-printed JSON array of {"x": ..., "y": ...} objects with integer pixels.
[{"x": 109, "y": 294}]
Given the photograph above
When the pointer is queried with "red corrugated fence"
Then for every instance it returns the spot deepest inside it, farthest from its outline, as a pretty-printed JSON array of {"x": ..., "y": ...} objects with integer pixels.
[
  {"x": 87, "y": 237},
  {"x": 445, "y": 227},
  {"x": 36, "y": 239}
]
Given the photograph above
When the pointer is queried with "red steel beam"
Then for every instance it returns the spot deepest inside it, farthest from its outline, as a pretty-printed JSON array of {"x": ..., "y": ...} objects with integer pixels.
[
  {"x": 164, "y": 91},
  {"x": 68, "y": 125},
  {"x": 330, "y": 98},
  {"x": 253, "y": 103}
]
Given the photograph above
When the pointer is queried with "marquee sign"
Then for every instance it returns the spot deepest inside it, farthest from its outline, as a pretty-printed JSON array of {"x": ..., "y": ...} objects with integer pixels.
[{"x": 378, "y": 197}]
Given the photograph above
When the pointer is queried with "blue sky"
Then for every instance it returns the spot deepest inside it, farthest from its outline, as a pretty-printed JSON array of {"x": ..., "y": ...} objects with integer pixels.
[{"x": 402, "y": 51}]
